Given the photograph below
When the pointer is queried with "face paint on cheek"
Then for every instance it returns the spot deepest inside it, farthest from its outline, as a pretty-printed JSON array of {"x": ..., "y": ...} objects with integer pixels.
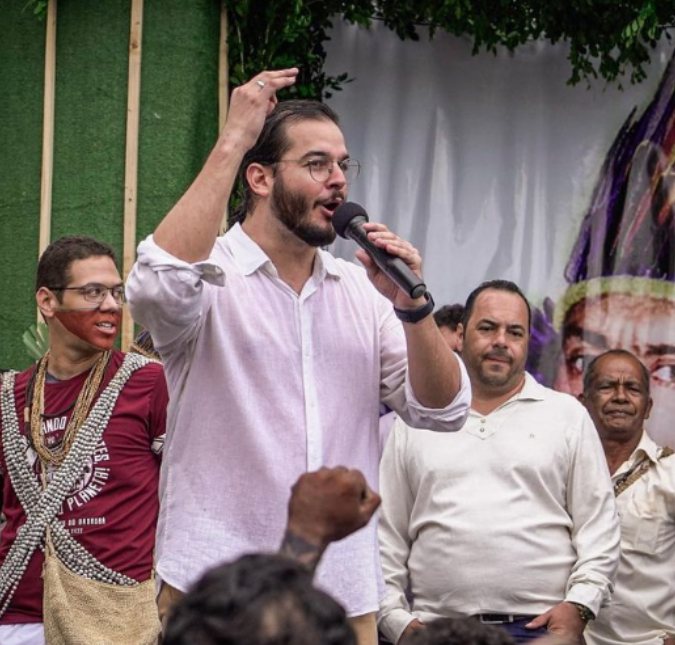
[{"x": 86, "y": 325}]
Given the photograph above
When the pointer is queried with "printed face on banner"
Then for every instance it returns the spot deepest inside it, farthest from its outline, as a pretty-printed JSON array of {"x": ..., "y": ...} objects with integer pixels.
[{"x": 640, "y": 324}]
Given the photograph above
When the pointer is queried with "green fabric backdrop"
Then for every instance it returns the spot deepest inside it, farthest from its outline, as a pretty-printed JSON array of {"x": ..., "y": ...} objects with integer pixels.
[{"x": 179, "y": 117}]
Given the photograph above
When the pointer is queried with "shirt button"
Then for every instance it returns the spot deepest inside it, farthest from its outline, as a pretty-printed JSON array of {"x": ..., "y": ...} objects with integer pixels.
[{"x": 482, "y": 429}]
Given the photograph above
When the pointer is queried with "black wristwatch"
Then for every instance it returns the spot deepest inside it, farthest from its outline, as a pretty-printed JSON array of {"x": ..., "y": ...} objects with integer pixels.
[
  {"x": 584, "y": 612},
  {"x": 415, "y": 315}
]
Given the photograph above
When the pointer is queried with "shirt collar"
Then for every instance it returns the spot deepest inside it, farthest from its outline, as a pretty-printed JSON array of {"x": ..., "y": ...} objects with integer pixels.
[
  {"x": 327, "y": 264},
  {"x": 532, "y": 391},
  {"x": 645, "y": 447},
  {"x": 249, "y": 257}
]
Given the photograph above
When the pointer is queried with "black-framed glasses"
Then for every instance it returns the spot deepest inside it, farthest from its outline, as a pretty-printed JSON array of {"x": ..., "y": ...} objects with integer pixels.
[
  {"x": 94, "y": 292},
  {"x": 321, "y": 168}
]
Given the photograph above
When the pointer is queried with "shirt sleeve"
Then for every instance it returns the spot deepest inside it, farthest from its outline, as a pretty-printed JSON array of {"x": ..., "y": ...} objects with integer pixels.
[
  {"x": 168, "y": 296},
  {"x": 393, "y": 531},
  {"x": 157, "y": 417},
  {"x": 596, "y": 532},
  {"x": 396, "y": 390}
]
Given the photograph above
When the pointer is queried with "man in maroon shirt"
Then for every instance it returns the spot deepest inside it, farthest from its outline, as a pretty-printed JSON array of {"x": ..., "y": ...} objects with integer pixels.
[{"x": 109, "y": 503}]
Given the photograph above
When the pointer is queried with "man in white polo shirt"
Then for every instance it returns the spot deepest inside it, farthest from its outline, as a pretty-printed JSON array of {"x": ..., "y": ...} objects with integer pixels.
[{"x": 512, "y": 519}]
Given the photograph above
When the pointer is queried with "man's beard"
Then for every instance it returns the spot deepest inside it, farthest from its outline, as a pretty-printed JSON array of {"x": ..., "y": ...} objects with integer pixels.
[
  {"x": 293, "y": 210},
  {"x": 495, "y": 379}
]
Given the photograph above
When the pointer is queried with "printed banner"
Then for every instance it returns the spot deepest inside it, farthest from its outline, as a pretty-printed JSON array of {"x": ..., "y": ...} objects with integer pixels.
[{"x": 495, "y": 168}]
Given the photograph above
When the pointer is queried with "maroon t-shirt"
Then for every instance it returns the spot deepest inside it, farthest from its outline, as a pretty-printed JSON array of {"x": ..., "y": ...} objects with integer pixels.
[{"x": 112, "y": 510}]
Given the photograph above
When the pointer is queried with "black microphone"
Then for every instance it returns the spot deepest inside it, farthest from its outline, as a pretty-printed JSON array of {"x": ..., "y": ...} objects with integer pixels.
[{"x": 348, "y": 220}]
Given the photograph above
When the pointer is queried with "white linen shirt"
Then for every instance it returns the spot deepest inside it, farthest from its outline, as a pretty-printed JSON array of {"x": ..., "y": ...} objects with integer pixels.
[
  {"x": 512, "y": 514},
  {"x": 642, "y": 609},
  {"x": 266, "y": 384}
]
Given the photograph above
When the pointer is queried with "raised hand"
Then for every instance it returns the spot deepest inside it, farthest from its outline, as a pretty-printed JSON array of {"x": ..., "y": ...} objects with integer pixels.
[
  {"x": 326, "y": 506},
  {"x": 252, "y": 102},
  {"x": 382, "y": 237}
]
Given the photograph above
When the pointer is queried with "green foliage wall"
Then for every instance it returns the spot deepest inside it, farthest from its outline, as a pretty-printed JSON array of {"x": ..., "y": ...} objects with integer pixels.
[
  {"x": 179, "y": 122},
  {"x": 21, "y": 71}
]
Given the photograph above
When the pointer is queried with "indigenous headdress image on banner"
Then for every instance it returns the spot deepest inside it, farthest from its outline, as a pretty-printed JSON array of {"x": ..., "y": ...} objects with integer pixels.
[
  {"x": 494, "y": 167},
  {"x": 621, "y": 272}
]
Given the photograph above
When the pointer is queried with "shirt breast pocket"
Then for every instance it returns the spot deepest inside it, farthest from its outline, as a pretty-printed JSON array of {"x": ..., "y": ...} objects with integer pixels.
[{"x": 642, "y": 525}]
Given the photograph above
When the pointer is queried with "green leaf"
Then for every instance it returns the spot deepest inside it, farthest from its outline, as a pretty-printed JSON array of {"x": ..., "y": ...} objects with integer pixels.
[{"x": 36, "y": 340}]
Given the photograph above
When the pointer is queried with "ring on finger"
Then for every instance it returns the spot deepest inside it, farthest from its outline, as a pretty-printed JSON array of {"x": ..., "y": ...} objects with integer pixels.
[{"x": 260, "y": 84}]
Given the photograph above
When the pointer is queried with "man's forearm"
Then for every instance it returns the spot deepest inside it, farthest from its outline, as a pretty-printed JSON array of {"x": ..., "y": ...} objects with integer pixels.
[
  {"x": 299, "y": 549},
  {"x": 190, "y": 229},
  {"x": 432, "y": 366},
  {"x": 326, "y": 506}
]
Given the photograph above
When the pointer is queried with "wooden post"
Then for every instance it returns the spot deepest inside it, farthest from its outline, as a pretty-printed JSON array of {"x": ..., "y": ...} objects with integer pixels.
[
  {"x": 131, "y": 161},
  {"x": 48, "y": 133},
  {"x": 223, "y": 82}
]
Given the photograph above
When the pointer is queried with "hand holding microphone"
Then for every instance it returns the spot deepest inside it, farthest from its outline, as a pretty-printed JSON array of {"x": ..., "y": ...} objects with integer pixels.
[{"x": 348, "y": 221}]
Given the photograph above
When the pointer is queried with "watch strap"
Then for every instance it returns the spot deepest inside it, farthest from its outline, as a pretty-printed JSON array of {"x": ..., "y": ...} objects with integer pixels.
[
  {"x": 584, "y": 612},
  {"x": 415, "y": 315}
]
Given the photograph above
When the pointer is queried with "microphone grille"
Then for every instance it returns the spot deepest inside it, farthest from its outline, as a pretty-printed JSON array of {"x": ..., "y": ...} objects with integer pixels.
[{"x": 344, "y": 214}]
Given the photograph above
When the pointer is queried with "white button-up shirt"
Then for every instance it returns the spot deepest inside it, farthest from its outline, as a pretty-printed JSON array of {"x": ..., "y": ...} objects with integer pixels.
[
  {"x": 642, "y": 609},
  {"x": 512, "y": 514},
  {"x": 266, "y": 384}
]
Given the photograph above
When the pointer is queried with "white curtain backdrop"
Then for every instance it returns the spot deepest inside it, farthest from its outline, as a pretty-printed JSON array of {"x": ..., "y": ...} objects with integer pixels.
[{"x": 485, "y": 163}]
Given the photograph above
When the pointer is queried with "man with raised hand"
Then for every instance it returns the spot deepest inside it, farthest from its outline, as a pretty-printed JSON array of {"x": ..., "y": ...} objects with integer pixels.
[
  {"x": 278, "y": 354},
  {"x": 512, "y": 519},
  {"x": 271, "y": 600},
  {"x": 642, "y": 611},
  {"x": 82, "y": 432}
]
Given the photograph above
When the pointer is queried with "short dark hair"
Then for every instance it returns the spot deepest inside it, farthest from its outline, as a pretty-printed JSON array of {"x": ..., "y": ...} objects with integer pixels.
[
  {"x": 259, "y": 599},
  {"x": 460, "y": 631},
  {"x": 54, "y": 266},
  {"x": 273, "y": 142},
  {"x": 496, "y": 285},
  {"x": 449, "y": 316},
  {"x": 589, "y": 374}
]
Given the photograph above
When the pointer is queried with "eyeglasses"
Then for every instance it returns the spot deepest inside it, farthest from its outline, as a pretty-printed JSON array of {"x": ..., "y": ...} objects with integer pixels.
[
  {"x": 94, "y": 292},
  {"x": 321, "y": 168}
]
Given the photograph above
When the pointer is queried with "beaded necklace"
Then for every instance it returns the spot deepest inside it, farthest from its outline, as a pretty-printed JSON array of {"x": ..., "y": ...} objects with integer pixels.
[
  {"x": 35, "y": 407},
  {"x": 42, "y": 506}
]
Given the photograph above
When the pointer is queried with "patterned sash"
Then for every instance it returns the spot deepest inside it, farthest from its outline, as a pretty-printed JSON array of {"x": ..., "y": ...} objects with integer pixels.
[
  {"x": 621, "y": 484},
  {"x": 42, "y": 506}
]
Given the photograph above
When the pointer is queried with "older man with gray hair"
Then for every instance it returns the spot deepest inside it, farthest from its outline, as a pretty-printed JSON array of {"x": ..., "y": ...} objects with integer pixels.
[{"x": 642, "y": 611}]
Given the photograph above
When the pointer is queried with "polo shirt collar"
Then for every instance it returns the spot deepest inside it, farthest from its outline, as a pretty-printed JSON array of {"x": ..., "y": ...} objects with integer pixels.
[{"x": 532, "y": 391}]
